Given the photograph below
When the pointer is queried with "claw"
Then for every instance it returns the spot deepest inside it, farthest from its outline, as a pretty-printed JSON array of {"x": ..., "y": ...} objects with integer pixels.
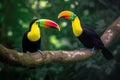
[
  {"x": 93, "y": 49},
  {"x": 27, "y": 52},
  {"x": 39, "y": 51}
]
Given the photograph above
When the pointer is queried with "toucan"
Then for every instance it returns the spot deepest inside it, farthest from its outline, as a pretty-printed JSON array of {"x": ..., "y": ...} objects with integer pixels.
[
  {"x": 32, "y": 38},
  {"x": 88, "y": 37}
]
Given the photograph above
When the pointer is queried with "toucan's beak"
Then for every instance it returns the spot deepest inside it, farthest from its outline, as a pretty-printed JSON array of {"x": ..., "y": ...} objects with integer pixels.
[
  {"x": 48, "y": 24},
  {"x": 67, "y": 14}
]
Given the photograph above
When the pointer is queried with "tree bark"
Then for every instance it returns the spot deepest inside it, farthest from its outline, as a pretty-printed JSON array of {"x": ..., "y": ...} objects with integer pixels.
[{"x": 15, "y": 58}]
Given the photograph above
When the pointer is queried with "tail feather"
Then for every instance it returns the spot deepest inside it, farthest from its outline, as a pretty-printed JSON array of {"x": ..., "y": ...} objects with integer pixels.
[{"x": 107, "y": 54}]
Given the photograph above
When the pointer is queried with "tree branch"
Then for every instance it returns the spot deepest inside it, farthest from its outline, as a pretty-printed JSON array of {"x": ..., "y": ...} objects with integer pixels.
[{"x": 15, "y": 58}]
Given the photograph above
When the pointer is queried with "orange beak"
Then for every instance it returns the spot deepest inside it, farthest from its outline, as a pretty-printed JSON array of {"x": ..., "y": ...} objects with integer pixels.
[{"x": 67, "y": 15}]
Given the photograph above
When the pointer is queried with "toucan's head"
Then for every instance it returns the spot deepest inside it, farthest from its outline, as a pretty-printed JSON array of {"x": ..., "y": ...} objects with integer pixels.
[
  {"x": 76, "y": 25},
  {"x": 67, "y": 15},
  {"x": 34, "y": 30}
]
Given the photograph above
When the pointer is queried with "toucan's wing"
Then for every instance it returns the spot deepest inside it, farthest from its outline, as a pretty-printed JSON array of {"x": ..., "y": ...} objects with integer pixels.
[
  {"x": 24, "y": 42},
  {"x": 94, "y": 37}
]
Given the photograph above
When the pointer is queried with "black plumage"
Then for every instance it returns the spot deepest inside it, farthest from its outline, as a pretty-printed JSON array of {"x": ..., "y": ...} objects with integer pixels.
[
  {"x": 29, "y": 46},
  {"x": 86, "y": 35},
  {"x": 91, "y": 39}
]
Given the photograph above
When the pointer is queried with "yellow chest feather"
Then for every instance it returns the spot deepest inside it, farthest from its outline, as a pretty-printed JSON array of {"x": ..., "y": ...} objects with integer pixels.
[
  {"x": 76, "y": 26},
  {"x": 34, "y": 33}
]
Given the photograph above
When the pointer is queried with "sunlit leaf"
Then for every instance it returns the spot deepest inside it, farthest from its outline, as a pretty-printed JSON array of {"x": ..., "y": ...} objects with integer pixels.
[
  {"x": 43, "y": 4},
  {"x": 10, "y": 33},
  {"x": 86, "y": 12},
  {"x": 72, "y": 6},
  {"x": 66, "y": 0}
]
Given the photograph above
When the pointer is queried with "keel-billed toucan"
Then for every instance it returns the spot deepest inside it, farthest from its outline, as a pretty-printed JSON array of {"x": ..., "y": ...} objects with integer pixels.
[
  {"x": 32, "y": 38},
  {"x": 85, "y": 34}
]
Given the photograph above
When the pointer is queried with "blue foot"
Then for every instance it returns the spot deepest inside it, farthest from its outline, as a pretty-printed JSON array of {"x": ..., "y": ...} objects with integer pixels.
[
  {"x": 27, "y": 52},
  {"x": 39, "y": 51},
  {"x": 93, "y": 49}
]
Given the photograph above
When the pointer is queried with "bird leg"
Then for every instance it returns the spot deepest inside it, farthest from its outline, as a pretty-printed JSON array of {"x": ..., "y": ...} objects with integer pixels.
[
  {"x": 39, "y": 51},
  {"x": 92, "y": 50},
  {"x": 28, "y": 52}
]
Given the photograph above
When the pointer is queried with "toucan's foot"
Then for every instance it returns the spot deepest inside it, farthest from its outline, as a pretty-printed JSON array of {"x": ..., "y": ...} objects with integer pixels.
[
  {"x": 39, "y": 51},
  {"x": 93, "y": 49},
  {"x": 27, "y": 52}
]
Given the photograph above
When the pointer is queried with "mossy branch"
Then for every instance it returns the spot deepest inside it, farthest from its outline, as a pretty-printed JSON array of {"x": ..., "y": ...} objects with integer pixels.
[{"x": 15, "y": 58}]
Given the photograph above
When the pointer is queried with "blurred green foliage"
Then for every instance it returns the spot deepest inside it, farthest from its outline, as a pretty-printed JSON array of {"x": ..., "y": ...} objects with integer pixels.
[{"x": 16, "y": 15}]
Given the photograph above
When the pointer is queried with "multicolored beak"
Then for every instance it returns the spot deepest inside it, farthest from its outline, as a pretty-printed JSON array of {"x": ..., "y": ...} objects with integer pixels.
[
  {"x": 67, "y": 14},
  {"x": 48, "y": 24}
]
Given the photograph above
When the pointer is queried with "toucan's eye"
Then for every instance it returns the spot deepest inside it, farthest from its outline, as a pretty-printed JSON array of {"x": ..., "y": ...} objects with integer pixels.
[{"x": 37, "y": 22}]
